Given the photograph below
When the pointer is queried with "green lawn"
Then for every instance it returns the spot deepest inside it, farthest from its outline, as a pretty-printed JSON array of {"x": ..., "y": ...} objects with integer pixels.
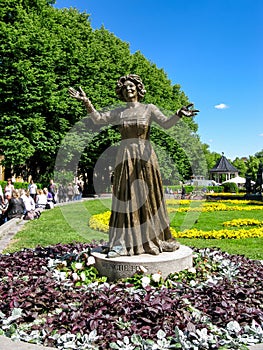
[
  {"x": 206, "y": 221},
  {"x": 69, "y": 223}
]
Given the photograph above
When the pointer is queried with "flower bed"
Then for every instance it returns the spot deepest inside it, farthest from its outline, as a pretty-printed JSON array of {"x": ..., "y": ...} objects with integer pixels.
[
  {"x": 243, "y": 222},
  {"x": 54, "y": 296},
  {"x": 255, "y": 232},
  {"x": 214, "y": 206},
  {"x": 100, "y": 221}
]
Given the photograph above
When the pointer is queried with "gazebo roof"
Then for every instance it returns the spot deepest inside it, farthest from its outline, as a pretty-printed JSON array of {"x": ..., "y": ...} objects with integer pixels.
[{"x": 223, "y": 166}]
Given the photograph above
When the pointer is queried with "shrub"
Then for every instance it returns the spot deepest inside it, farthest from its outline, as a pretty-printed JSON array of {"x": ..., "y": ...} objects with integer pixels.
[
  {"x": 216, "y": 189},
  {"x": 19, "y": 185},
  {"x": 230, "y": 187}
]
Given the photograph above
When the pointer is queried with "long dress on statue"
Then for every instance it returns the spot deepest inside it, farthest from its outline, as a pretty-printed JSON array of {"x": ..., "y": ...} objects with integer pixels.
[{"x": 139, "y": 221}]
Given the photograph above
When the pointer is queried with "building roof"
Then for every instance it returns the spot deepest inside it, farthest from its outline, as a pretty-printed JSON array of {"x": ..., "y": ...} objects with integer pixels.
[{"x": 224, "y": 166}]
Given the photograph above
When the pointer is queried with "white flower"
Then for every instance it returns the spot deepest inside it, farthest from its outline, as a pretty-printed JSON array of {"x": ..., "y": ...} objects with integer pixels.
[
  {"x": 75, "y": 276},
  {"x": 63, "y": 275},
  {"x": 202, "y": 333},
  {"x": 83, "y": 276},
  {"x": 145, "y": 281},
  {"x": 64, "y": 263},
  {"x": 233, "y": 326},
  {"x": 91, "y": 260},
  {"x": 156, "y": 277},
  {"x": 192, "y": 283},
  {"x": 50, "y": 263},
  {"x": 78, "y": 266},
  {"x": 192, "y": 270}
]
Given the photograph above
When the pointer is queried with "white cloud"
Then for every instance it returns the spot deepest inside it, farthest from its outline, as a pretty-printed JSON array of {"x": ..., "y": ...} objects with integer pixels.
[
  {"x": 261, "y": 134},
  {"x": 221, "y": 106}
]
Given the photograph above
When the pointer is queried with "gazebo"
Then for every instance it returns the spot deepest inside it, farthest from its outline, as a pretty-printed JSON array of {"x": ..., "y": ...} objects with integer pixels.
[{"x": 223, "y": 167}]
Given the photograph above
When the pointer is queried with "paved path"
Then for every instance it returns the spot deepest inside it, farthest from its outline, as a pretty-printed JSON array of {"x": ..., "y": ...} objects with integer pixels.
[
  {"x": 8, "y": 344},
  {"x": 7, "y": 232}
]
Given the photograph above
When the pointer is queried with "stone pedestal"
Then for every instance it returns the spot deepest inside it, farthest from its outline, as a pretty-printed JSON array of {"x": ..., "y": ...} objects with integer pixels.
[{"x": 126, "y": 266}]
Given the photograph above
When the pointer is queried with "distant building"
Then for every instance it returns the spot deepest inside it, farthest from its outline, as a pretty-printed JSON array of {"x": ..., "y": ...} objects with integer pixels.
[
  {"x": 223, "y": 170},
  {"x": 200, "y": 180}
]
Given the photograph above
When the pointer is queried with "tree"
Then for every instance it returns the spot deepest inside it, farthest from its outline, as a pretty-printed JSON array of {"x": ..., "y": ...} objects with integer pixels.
[
  {"x": 211, "y": 157},
  {"x": 259, "y": 155},
  {"x": 252, "y": 167},
  {"x": 241, "y": 165},
  {"x": 45, "y": 50},
  {"x": 37, "y": 59}
]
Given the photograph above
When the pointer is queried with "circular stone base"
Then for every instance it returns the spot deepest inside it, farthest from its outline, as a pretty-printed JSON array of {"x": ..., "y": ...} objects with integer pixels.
[{"x": 126, "y": 266}]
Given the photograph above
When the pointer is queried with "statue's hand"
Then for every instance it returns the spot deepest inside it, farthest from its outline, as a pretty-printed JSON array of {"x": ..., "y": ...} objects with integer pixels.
[
  {"x": 186, "y": 112},
  {"x": 79, "y": 95}
]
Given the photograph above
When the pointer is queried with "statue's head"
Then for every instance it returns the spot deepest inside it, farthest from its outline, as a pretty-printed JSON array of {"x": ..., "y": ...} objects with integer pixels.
[{"x": 135, "y": 79}]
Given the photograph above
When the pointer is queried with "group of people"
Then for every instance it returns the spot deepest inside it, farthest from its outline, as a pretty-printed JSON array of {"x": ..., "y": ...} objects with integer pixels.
[
  {"x": 65, "y": 192},
  {"x": 24, "y": 203},
  {"x": 171, "y": 192},
  {"x": 29, "y": 203},
  {"x": 70, "y": 192}
]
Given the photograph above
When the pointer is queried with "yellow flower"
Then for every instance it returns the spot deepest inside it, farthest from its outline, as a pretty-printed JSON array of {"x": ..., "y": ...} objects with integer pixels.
[
  {"x": 100, "y": 222},
  {"x": 242, "y": 222},
  {"x": 220, "y": 234}
]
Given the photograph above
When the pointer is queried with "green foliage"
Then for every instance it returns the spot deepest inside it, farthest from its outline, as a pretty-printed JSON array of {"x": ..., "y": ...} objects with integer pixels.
[
  {"x": 211, "y": 157},
  {"x": 246, "y": 166},
  {"x": 189, "y": 189},
  {"x": 37, "y": 63},
  {"x": 183, "y": 149},
  {"x": 216, "y": 189},
  {"x": 19, "y": 185},
  {"x": 140, "y": 280},
  {"x": 68, "y": 224},
  {"x": 79, "y": 268},
  {"x": 240, "y": 164},
  {"x": 230, "y": 187},
  {"x": 203, "y": 268},
  {"x": 253, "y": 165},
  {"x": 259, "y": 155},
  {"x": 44, "y": 51}
]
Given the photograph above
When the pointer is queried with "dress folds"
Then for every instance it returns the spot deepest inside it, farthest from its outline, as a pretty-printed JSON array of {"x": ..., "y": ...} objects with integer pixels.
[{"x": 139, "y": 220}]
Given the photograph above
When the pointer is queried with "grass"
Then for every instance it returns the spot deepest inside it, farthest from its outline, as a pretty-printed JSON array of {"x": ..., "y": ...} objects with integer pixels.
[
  {"x": 249, "y": 247},
  {"x": 65, "y": 224},
  {"x": 69, "y": 223},
  {"x": 213, "y": 220},
  {"x": 206, "y": 221}
]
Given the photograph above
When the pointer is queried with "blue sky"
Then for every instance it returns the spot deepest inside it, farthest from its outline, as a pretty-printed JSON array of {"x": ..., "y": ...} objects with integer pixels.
[{"x": 212, "y": 48}]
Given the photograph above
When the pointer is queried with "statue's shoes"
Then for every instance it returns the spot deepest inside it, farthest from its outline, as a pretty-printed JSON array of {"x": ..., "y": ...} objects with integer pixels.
[
  {"x": 170, "y": 246},
  {"x": 105, "y": 249},
  {"x": 115, "y": 254},
  {"x": 152, "y": 249}
]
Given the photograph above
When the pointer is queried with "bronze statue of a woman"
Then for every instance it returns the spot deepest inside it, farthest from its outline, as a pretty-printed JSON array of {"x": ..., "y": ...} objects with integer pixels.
[{"x": 139, "y": 221}]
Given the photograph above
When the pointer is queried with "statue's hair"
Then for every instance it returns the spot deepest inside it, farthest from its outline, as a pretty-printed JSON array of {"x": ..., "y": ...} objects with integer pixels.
[{"x": 136, "y": 79}]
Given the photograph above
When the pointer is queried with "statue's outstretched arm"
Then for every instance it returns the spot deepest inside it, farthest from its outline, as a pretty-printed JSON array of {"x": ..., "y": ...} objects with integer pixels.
[
  {"x": 186, "y": 112},
  {"x": 97, "y": 117},
  {"x": 80, "y": 95},
  {"x": 168, "y": 122}
]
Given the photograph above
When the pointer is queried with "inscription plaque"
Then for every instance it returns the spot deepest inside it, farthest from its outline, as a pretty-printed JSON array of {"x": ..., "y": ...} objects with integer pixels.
[{"x": 127, "y": 266}]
